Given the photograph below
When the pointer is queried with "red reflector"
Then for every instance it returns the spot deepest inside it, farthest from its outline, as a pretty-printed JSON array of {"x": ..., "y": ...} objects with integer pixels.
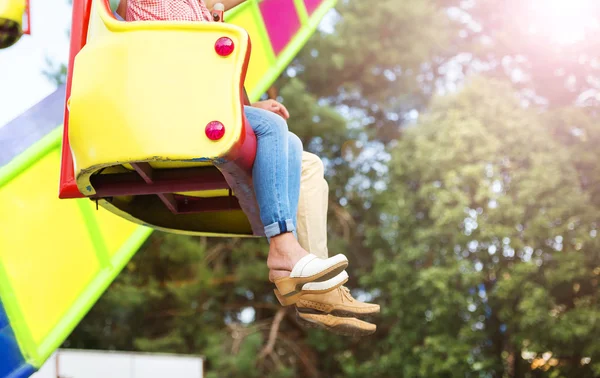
[
  {"x": 215, "y": 130},
  {"x": 224, "y": 46}
]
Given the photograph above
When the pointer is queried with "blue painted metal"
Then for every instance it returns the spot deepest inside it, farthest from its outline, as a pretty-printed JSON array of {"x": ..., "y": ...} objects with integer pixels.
[
  {"x": 28, "y": 128},
  {"x": 12, "y": 362}
]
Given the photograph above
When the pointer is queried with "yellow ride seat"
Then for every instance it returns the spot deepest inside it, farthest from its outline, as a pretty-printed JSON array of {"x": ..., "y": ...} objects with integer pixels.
[
  {"x": 11, "y": 21},
  {"x": 145, "y": 95}
]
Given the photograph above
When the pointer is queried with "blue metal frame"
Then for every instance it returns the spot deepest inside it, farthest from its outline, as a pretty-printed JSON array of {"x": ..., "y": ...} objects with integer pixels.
[{"x": 12, "y": 362}]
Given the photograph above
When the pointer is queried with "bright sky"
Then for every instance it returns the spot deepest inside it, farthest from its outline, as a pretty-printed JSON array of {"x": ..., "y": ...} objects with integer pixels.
[{"x": 22, "y": 84}]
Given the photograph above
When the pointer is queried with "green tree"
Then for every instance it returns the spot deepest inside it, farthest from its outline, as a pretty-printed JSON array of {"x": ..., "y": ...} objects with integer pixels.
[
  {"x": 379, "y": 60},
  {"x": 487, "y": 255}
]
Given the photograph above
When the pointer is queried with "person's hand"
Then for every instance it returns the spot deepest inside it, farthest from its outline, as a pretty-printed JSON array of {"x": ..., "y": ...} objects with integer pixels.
[{"x": 273, "y": 106}]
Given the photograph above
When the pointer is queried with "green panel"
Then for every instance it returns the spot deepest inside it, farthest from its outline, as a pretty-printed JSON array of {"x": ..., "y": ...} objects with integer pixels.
[
  {"x": 13, "y": 311},
  {"x": 302, "y": 12},
  {"x": 91, "y": 222}
]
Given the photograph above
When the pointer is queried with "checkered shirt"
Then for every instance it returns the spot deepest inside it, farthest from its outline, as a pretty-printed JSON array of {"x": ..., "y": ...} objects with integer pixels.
[{"x": 167, "y": 10}]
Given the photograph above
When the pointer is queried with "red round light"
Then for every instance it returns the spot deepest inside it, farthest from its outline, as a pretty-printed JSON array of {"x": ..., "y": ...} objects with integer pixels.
[
  {"x": 224, "y": 46},
  {"x": 215, "y": 130}
]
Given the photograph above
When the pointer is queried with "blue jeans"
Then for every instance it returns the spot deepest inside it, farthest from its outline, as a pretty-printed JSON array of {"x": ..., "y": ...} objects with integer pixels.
[{"x": 276, "y": 171}]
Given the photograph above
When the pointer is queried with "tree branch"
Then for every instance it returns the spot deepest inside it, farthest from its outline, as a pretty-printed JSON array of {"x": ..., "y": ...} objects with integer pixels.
[{"x": 268, "y": 349}]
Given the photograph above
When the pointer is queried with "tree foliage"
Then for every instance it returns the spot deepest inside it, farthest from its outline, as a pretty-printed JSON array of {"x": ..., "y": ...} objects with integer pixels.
[{"x": 487, "y": 255}]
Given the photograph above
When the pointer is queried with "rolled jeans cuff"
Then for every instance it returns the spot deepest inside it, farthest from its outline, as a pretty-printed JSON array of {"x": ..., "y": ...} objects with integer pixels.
[{"x": 280, "y": 227}]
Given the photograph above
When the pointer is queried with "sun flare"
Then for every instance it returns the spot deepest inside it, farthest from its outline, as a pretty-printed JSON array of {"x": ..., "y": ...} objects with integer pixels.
[{"x": 564, "y": 21}]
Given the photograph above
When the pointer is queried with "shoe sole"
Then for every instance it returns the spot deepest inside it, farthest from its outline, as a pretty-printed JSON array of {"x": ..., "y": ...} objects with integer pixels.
[
  {"x": 341, "y": 330},
  {"x": 367, "y": 316}
]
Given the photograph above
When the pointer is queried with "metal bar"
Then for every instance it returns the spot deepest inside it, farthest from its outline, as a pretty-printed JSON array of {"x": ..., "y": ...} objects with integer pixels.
[
  {"x": 163, "y": 181},
  {"x": 144, "y": 170},
  {"x": 302, "y": 12},
  {"x": 28, "y": 17},
  {"x": 79, "y": 28},
  {"x": 169, "y": 200}
]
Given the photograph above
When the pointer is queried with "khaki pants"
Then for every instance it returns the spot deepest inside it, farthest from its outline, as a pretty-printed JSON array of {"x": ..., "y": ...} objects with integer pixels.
[{"x": 312, "y": 206}]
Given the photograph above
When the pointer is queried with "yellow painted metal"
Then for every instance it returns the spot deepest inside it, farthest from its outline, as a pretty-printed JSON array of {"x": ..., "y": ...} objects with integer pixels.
[
  {"x": 11, "y": 22},
  {"x": 163, "y": 106},
  {"x": 12, "y": 10},
  {"x": 208, "y": 193},
  {"x": 48, "y": 255},
  {"x": 43, "y": 305}
]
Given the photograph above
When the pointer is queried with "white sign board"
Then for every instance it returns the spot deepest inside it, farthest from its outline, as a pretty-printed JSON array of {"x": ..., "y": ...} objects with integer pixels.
[{"x": 98, "y": 364}]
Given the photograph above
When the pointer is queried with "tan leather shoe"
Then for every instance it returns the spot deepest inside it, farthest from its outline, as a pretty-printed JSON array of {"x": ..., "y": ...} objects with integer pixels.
[
  {"x": 335, "y": 324},
  {"x": 310, "y": 270},
  {"x": 312, "y": 288},
  {"x": 337, "y": 302}
]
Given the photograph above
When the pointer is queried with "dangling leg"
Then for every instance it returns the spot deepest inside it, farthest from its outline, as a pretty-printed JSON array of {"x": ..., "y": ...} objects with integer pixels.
[
  {"x": 294, "y": 165},
  {"x": 336, "y": 311},
  {"x": 290, "y": 265},
  {"x": 312, "y": 206}
]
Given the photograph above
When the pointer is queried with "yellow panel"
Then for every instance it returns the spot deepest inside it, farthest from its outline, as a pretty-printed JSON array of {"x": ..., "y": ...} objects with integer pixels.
[
  {"x": 259, "y": 58},
  {"x": 46, "y": 249}
]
